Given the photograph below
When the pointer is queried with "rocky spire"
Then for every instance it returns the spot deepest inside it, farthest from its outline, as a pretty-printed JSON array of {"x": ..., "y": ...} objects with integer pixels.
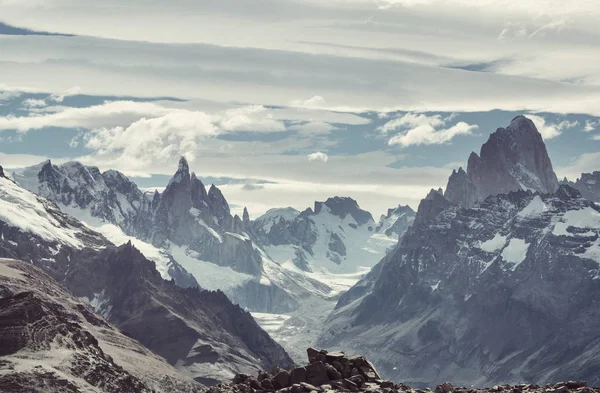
[
  {"x": 460, "y": 189},
  {"x": 2, "y": 172},
  {"x": 513, "y": 158},
  {"x": 430, "y": 207},
  {"x": 198, "y": 192}
]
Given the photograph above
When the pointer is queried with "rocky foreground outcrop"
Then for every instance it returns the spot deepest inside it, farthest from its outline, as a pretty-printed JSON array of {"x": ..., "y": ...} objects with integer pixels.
[{"x": 328, "y": 372}]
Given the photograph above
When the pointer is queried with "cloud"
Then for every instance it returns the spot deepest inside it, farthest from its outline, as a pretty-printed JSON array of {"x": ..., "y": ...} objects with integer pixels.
[
  {"x": 591, "y": 125},
  {"x": 412, "y": 120},
  {"x": 250, "y": 118},
  {"x": 586, "y": 163},
  {"x": 318, "y": 156},
  {"x": 421, "y": 129},
  {"x": 313, "y": 102},
  {"x": 33, "y": 103},
  {"x": 16, "y": 161},
  {"x": 313, "y": 127},
  {"x": 109, "y": 114},
  {"x": 252, "y": 186},
  {"x": 551, "y": 130}
]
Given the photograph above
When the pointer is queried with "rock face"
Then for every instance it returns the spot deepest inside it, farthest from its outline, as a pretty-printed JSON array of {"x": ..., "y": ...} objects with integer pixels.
[
  {"x": 396, "y": 222},
  {"x": 51, "y": 342},
  {"x": 501, "y": 293},
  {"x": 514, "y": 158},
  {"x": 588, "y": 185},
  {"x": 201, "y": 332}
]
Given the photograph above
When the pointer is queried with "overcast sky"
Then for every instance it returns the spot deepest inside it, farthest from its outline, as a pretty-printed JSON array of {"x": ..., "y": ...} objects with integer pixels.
[{"x": 284, "y": 102}]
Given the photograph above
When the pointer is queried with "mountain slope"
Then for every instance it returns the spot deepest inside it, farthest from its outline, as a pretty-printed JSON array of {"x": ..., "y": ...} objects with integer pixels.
[
  {"x": 513, "y": 158},
  {"x": 507, "y": 291},
  {"x": 51, "y": 342},
  {"x": 216, "y": 338}
]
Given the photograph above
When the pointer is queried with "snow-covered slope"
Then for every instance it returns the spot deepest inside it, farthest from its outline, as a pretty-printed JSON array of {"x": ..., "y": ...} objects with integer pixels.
[
  {"x": 502, "y": 292},
  {"x": 396, "y": 221},
  {"x": 50, "y": 341},
  {"x": 214, "y": 338},
  {"x": 337, "y": 237}
]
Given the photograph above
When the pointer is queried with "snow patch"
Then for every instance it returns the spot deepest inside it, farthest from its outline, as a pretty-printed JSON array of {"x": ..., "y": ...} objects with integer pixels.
[
  {"x": 494, "y": 244},
  {"x": 586, "y": 218},
  {"x": 534, "y": 208},
  {"x": 515, "y": 252},
  {"x": 115, "y": 235}
]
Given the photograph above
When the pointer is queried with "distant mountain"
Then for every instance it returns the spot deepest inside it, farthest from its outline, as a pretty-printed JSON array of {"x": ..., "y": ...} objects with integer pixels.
[
  {"x": 201, "y": 333},
  {"x": 6, "y": 29},
  {"x": 588, "y": 185},
  {"x": 503, "y": 292},
  {"x": 396, "y": 222},
  {"x": 514, "y": 158},
  {"x": 50, "y": 341},
  {"x": 189, "y": 229},
  {"x": 336, "y": 236}
]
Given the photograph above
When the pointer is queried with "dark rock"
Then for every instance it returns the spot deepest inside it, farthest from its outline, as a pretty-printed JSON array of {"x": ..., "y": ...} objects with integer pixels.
[
  {"x": 316, "y": 373},
  {"x": 358, "y": 379},
  {"x": 267, "y": 384},
  {"x": 445, "y": 387},
  {"x": 298, "y": 375},
  {"x": 576, "y": 384},
  {"x": 254, "y": 384},
  {"x": 282, "y": 379},
  {"x": 332, "y": 373}
]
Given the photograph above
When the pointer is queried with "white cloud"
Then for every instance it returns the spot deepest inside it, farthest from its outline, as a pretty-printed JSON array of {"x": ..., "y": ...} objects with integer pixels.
[
  {"x": 109, "y": 114},
  {"x": 313, "y": 102},
  {"x": 413, "y": 120},
  {"x": 586, "y": 163},
  {"x": 318, "y": 156},
  {"x": 34, "y": 103},
  {"x": 551, "y": 130},
  {"x": 313, "y": 127},
  {"x": 16, "y": 161},
  {"x": 421, "y": 129},
  {"x": 250, "y": 118},
  {"x": 591, "y": 125}
]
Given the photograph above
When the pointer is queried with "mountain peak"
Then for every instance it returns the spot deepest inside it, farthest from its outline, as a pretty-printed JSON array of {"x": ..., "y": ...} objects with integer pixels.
[
  {"x": 513, "y": 158},
  {"x": 342, "y": 206},
  {"x": 183, "y": 165},
  {"x": 1, "y": 171}
]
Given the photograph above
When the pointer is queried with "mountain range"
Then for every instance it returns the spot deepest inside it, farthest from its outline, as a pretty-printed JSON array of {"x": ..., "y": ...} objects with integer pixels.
[
  {"x": 488, "y": 291},
  {"x": 494, "y": 280}
]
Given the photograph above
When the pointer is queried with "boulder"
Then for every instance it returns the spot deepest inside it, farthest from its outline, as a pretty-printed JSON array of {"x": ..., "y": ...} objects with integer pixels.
[
  {"x": 267, "y": 384},
  {"x": 316, "y": 373},
  {"x": 332, "y": 372},
  {"x": 446, "y": 387},
  {"x": 298, "y": 375},
  {"x": 282, "y": 379}
]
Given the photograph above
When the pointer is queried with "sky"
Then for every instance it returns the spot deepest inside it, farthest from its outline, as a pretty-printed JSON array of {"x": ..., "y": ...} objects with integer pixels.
[{"x": 284, "y": 102}]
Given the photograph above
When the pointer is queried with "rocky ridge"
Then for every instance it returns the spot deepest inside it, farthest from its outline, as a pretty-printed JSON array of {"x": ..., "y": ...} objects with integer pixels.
[
  {"x": 52, "y": 342},
  {"x": 329, "y": 372}
]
